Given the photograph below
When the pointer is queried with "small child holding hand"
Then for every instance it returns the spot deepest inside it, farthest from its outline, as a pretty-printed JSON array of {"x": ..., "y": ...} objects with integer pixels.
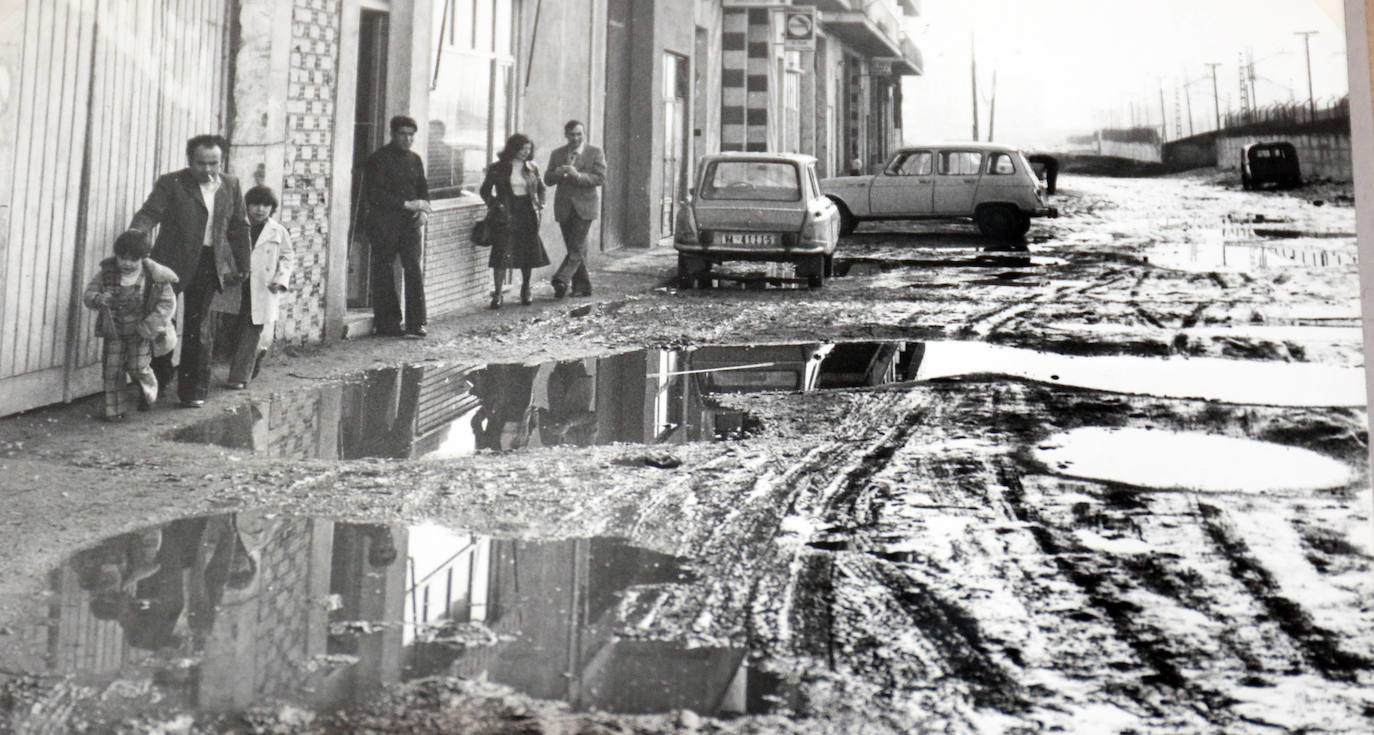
[{"x": 135, "y": 298}]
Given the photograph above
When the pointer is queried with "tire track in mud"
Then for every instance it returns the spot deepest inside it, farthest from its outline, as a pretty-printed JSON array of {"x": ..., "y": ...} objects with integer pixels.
[
  {"x": 983, "y": 324},
  {"x": 1103, "y": 593},
  {"x": 1320, "y": 647}
]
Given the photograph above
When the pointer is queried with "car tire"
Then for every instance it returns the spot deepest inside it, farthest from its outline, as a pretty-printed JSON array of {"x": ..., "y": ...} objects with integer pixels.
[
  {"x": 693, "y": 273},
  {"x": 998, "y": 222},
  {"x": 1245, "y": 182},
  {"x": 1023, "y": 225},
  {"x": 812, "y": 268},
  {"x": 847, "y": 221},
  {"x": 829, "y": 271}
]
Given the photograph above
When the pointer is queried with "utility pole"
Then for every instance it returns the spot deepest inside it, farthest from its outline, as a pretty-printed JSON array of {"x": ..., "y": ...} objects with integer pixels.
[
  {"x": 1307, "y": 47},
  {"x": 1216, "y": 96},
  {"x": 973, "y": 63},
  {"x": 1163, "y": 116},
  {"x": 992, "y": 106}
]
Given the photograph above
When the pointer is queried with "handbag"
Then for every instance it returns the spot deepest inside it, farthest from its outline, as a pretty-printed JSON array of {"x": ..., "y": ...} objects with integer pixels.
[{"x": 486, "y": 228}]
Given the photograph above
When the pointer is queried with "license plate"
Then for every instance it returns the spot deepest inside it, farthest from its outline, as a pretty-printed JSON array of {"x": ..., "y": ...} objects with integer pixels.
[{"x": 749, "y": 238}]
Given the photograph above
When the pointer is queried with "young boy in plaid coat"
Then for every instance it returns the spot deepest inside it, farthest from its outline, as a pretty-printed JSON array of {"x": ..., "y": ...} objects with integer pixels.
[{"x": 134, "y": 296}]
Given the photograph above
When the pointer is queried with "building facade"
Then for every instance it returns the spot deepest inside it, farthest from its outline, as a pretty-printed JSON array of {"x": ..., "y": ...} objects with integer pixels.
[{"x": 97, "y": 98}]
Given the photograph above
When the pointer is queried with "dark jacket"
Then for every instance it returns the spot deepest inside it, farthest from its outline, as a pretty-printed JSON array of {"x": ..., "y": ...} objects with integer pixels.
[
  {"x": 392, "y": 177},
  {"x": 177, "y": 209},
  {"x": 496, "y": 192}
]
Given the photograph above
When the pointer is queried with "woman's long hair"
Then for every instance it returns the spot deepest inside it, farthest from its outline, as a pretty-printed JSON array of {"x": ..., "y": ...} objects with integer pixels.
[{"x": 513, "y": 146}]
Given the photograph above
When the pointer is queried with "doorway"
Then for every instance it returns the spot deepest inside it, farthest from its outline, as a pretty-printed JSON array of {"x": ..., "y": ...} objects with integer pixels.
[
  {"x": 369, "y": 134},
  {"x": 676, "y": 84}
]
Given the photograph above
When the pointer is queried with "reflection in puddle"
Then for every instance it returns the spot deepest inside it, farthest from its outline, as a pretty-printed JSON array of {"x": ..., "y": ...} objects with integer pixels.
[
  {"x": 1239, "y": 247},
  {"x": 1229, "y": 381},
  {"x": 1189, "y": 461},
  {"x": 219, "y": 613},
  {"x": 647, "y": 396}
]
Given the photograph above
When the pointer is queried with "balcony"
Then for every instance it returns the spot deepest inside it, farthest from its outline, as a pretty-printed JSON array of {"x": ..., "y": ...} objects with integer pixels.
[{"x": 871, "y": 27}]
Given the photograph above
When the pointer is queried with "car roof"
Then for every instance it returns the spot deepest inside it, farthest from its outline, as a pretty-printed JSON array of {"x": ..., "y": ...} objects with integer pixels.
[
  {"x": 963, "y": 144},
  {"x": 758, "y": 156}
]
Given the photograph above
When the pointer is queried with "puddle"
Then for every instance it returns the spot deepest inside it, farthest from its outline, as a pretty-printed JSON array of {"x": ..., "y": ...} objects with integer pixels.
[
  {"x": 1216, "y": 379},
  {"x": 852, "y": 267},
  {"x": 1258, "y": 249},
  {"x": 1169, "y": 460},
  {"x": 439, "y": 411},
  {"x": 224, "y": 612}
]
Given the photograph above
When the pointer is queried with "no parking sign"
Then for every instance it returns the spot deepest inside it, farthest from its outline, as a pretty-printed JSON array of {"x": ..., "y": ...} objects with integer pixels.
[{"x": 799, "y": 28}]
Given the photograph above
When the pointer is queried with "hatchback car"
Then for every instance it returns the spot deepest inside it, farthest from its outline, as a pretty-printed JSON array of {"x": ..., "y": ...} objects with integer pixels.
[
  {"x": 1276, "y": 163},
  {"x": 992, "y": 184},
  {"x": 756, "y": 207}
]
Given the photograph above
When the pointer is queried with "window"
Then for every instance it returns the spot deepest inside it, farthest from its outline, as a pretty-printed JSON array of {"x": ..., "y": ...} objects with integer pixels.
[
  {"x": 914, "y": 163},
  {"x": 769, "y": 181},
  {"x": 470, "y": 97},
  {"x": 1000, "y": 163},
  {"x": 960, "y": 163}
]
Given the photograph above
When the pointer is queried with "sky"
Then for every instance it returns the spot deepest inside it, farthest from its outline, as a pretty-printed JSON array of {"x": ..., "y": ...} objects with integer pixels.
[{"x": 1067, "y": 67}]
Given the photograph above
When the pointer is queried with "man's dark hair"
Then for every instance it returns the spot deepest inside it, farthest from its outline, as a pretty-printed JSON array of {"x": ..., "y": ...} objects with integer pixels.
[
  {"x": 402, "y": 121},
  {"x": 569, "y": 125},
  {"x": 206, "y": 141},
  {"x": 261, "y": 194},
  {"x": 132, "y": 245}
]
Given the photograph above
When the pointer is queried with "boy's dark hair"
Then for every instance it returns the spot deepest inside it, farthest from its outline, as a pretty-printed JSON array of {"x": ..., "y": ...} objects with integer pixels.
[
  {"x": 402, "y": 121},
  {"x": 206, "y": 141},
  {"x": 261, "y": 194},
  {"x": 132, "y": 245},
  {"x": 569, "y": 125}
]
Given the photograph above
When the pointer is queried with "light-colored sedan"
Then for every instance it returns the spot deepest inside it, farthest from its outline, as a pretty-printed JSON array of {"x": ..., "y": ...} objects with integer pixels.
[
  {"x": 756, "y": 206},
  {"x": 992, "y": 184}
]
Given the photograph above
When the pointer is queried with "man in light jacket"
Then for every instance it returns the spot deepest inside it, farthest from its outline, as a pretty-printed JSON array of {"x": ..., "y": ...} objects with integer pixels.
[{"x": 577, "y": 170}]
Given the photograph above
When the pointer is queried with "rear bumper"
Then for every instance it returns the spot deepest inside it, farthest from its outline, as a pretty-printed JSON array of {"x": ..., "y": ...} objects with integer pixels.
[
  {"x": 738, "y": 252},
  {"x": 1045, "y": 212}
]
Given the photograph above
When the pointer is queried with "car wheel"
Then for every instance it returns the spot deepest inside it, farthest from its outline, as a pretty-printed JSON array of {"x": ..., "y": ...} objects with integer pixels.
[
  {"x": 830, "y": 265},
  {"x": 1245, "y": 182},
  {"x": 847, "y": 221},
  {"x": 998, "y": 222},
  {"x": 693, "y": 273},
  {"x": 1023, "y": 225},
  {"x": 813, "y": 268}
]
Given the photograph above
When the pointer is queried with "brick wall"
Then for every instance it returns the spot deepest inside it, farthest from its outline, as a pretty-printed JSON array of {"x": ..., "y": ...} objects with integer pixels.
[
  {"x": 305, "y": 200},
  {"x": 456, "y": 272}
]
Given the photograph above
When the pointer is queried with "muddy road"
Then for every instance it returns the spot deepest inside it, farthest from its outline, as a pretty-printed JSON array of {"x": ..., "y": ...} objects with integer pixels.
[{"x": 1117, "y": 483}]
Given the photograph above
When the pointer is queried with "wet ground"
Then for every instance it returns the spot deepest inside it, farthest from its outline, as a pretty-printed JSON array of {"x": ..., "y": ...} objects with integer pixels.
[{"x": 1117, "y": 483}]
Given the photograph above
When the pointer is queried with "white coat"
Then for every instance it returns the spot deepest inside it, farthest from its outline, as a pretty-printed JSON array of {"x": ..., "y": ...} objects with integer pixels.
[{"x": 272, "y": 263}]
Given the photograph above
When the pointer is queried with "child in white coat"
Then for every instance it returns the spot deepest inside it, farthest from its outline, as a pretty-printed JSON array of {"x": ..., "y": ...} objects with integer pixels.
[{"x": 255, "y": 301}]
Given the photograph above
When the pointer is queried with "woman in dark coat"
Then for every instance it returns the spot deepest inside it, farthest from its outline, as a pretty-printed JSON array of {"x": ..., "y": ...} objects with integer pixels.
[{"x": 514, "y": 187}]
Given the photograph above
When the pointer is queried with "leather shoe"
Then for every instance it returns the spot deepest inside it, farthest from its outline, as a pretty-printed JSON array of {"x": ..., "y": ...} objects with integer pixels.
[
  {"x": 235, "y": 385},
  {"x": 560, "y": 289},
  {"x": 495, "y": 301},
  {"x": 418, "y": 332},
  {"x": 193, "y": 403},
  {"x": 395, "y": 331},
  {"x": 582, "y": 292}
]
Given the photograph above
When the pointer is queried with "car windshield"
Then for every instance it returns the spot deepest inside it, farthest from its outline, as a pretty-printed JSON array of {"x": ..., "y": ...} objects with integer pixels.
[{"x": 769, "y": 181}]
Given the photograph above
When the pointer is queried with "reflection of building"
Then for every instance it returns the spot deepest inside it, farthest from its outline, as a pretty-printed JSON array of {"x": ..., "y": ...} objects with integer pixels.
[{"x": 324, "y": 614}]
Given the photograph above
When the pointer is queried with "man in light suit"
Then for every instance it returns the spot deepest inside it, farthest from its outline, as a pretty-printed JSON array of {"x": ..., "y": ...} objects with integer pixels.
[
  {"x": 577, "y": 170},
  {"x": 203, "y": 237}
]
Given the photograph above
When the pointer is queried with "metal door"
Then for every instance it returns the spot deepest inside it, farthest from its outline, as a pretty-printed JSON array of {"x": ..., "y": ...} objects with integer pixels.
[{"x": 102, "y": 99}]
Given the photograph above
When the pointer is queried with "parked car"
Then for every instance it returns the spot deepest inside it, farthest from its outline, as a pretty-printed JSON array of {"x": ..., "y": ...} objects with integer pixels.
[
  {"x": 1275, "y": 163},
  {"x": 989, "y": 183},
  {"x": 760, "y": 207}
]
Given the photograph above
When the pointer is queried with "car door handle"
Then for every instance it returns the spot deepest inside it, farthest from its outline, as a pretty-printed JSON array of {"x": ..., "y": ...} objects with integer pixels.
[
  {"x": 924, "y": 181},
  {"x": 970, "y": 181}
]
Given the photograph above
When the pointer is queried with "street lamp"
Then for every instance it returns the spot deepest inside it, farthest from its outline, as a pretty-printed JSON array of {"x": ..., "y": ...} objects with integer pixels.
[{"x": 1307, "y": 48}]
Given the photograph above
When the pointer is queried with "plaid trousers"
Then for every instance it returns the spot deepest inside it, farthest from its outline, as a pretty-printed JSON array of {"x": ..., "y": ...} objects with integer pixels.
[{"x": 133, "y": 356}]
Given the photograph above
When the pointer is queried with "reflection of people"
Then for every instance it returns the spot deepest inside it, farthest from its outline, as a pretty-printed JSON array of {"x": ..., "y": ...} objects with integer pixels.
[
  {"x": 203, "y": 237},
  {"x": 397, "y": 208},
  {"x": 255, "y": 301},
  {"x": 135, "y": 297},
  {"x": 504, "y": 420},
  {"x": 577, "y": 170},
  {"x": 513, "y": 188},
  {"x": 571, "y": 415},
  {"x": 383, "y": 422},
  {"x": 443, "y": 162}
]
